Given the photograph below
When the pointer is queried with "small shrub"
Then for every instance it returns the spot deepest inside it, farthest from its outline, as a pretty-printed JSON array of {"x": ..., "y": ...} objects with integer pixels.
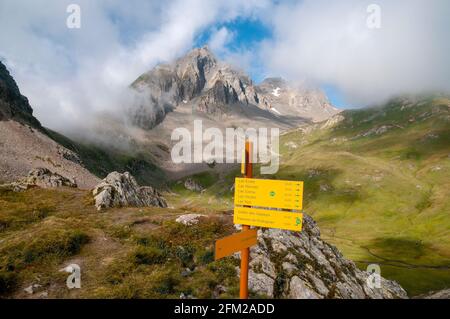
[
  {"x": 205, "y": 257},
  {"x": 8, "y": 282},
  {"x": 185, "y": 254},
  {"x": 165, "y": 283},
  {"x": 148, "y": 256},
  {"x": 47, "y": 244}
]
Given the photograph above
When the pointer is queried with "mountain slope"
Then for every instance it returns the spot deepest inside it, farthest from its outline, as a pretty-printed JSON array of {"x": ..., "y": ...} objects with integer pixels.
[
  {"x": 376, "y": 182},
  {"x": 24, "y": 143}
]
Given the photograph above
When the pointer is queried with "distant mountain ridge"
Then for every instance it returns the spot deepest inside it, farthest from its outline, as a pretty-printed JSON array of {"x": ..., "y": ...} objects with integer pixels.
[
  {"x": 285, "y": 98},
  {"x": 213, "y": 87}
]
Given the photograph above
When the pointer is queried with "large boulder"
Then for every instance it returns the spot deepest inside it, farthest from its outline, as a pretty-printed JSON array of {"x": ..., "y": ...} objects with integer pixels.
[
  {"x": 301, "y": 265},
  {"x": 121, "y": 190}
]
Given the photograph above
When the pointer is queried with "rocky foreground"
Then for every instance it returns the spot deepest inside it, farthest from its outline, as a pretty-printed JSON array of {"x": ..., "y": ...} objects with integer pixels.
[{"x": 301, "y": 265}]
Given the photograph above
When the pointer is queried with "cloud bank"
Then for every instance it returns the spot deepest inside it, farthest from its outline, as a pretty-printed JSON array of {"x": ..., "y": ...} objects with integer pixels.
[
  {"x": 70, "y": 75},
  {"x": 329, "y": 42}
]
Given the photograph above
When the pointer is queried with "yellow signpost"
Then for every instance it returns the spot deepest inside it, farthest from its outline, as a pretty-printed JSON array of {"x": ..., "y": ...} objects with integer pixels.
[
  {"x": 268, "y": 218},
  {"x": 268, "y": 193},
  {"x": 234, "y": 243},
  {"x": 260, "y": 203}
]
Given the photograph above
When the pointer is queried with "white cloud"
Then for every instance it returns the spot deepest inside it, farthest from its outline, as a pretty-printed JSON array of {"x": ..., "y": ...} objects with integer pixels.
[
  {"x": 220, "y": 39},
  {"x": 71, "y": 74},
  {"x": 328, "y": 42}
]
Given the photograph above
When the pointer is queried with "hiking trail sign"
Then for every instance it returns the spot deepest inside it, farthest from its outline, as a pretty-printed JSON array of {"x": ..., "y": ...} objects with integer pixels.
[
  {"x": 268, "y": 218},
  {"x": 260, "y": 203},
  {"x": 234, "y": 243},
  {"x": 268, "y": 193}
]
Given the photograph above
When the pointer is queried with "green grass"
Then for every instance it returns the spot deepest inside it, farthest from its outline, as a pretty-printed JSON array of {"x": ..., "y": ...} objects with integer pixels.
[
  {"x": 382, "y": 193},
  {"x": 380, "y": 199},
  {"x": 123, "y": 253},
  {"x": 379, "y": 194}
]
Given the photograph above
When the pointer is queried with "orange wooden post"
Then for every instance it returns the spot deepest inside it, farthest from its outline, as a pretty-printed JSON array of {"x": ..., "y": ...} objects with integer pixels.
[{"x": 245, "y": 254}]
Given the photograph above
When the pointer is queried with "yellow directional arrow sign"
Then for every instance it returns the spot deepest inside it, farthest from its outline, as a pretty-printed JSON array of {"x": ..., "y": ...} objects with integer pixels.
[
  {"x": 268, "y": 218},
  {"x": 268, "y": 193},
  {"x": 234, "y": 243}
]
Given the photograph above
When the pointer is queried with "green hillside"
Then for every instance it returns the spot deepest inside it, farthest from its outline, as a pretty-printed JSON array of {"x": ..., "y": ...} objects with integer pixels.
[
  {"x": 377, "y": 182},
  {"x": 378, "y": 185}
]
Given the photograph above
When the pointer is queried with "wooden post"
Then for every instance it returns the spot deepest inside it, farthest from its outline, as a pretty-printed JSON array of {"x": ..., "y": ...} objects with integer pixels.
[{"x": 245, "y": 254}]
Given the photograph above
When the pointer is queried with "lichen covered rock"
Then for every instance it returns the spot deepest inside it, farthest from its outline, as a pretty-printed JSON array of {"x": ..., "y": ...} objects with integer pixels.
[
  {"x": 189, "y": 219},
  {"x": 301, "y": 265},
  {"x": 43, "y": 178},
  {"x": 121, "y": 190}
]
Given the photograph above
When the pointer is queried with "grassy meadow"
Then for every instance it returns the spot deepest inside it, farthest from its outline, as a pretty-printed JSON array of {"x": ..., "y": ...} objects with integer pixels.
[{"x": 377, "y": 183}]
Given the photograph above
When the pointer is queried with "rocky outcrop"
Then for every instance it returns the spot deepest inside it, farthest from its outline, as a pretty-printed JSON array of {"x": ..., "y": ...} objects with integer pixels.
[
  {"x": 157, "y": 93},
  {"x": 13, "y": 105},
  {"x": 302, "y": 266},
  {"x": 192, "y": 185},
  {"x": 121, "y": 190},
  {"x": 441, "y": 294},
  {"x": 43, "y": 178}
]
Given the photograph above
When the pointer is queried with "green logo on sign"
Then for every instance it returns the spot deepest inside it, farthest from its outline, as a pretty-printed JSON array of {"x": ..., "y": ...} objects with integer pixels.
[
  {"x": 298, "y": 221},
  {"x": 272, "y": 194}
]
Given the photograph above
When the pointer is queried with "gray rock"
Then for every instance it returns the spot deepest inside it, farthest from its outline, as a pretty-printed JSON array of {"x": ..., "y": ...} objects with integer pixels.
[
  {"x": 192, "y": 185},
  {"x": 43, "y": 178},
  {"x": 32, "y": 288},
  {"x": 299, "y": 290},
  {"x": 301, "y": 265},
  {"x": 121, "y": 190},
  {"x": 260, "y": 283},
  {"x": 69, "y": 155},
  {"x": 189, "y": 219},
  {"x": 442, "y": 294}
]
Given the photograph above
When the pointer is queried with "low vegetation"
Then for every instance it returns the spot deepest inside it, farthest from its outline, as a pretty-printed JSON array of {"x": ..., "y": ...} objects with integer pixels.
[
  {"x": 377, "y": 183},
  {"x": 380, "y": 195},
  {"x": 123, "y": 253}
]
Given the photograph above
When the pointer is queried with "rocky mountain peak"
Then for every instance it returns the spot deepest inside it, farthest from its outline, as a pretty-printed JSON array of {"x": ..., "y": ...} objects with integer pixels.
[
  {"x": 13, "y": 105},
  {"x": 213, "y": 87},
  {"x": 274, "y": 82},
  {"x": 198, "y": 54}
]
